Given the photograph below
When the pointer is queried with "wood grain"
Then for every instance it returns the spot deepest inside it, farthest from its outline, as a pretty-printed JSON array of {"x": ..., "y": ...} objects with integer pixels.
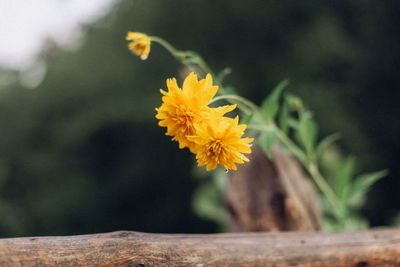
[
  {"x": 358, "y": 249},
  {"x": 271, "y": 195}
]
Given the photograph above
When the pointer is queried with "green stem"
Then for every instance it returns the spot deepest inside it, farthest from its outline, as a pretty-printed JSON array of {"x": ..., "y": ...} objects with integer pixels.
[
  {"x": 233, "y": 99},
  {"x": 174, "y": 52},
  {"x": 249, "y": 107},
  {"x": 183, "y": 58},
  {"x": 292, "y": 146},
  {"x": 311, "y": 167},
  {"x": 200, "y": 62},
  {"x": 263, "y": 128},
  {"x": 221, "y": 76},
  {"x": 324, "y": 186}
]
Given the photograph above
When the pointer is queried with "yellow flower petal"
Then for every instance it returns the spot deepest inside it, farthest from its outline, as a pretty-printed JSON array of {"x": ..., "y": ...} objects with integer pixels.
[
  {"x": 140, "y": 44},
  {"x": 219, "y": 142},
  {"x": 184, "y": 108}
]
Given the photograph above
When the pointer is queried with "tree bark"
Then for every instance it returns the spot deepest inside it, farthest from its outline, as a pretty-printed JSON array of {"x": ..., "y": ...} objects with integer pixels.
[
  {"x": 271, "y": 195},
  {"x": 358, "y": 249}
]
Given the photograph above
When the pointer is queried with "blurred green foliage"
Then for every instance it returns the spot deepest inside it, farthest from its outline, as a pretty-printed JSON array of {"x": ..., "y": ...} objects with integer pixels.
[{"x": 82, "y": 152}]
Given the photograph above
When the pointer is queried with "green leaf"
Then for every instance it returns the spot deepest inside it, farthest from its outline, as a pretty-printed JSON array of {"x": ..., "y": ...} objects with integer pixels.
[
  {"x": 278, "y": 89},
  {"x": 294, "y": 102},
  {"x": 354, "y": 222},
  {"x": 284, "y": 118},
  {"x": 325, "y": 143},
  {"x": 269, "y": 109},
  {"x": 293, "y": 123},
  {"x": 246, "y": 119},
  {"x": 266, "y": 140},
  {"x": 362, "y": 184},
  {"x": 192, "y": 60},
  {"x": 229, "y": 90},
  {"x": 307, "y": 132},
  {"x": 343, "y": 178},
  {"x": 270, "y": 105},
  {"x": 223, "y": 73},
  {"x": 206, "y": 203}
]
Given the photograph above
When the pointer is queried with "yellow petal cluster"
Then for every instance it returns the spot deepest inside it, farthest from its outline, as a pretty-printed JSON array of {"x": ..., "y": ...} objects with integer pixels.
[
  {"x": 219, "y": 142},
  {"x": 140, "y": 44},
  {"x": 193, "y": 124},
  {"x": 186, "y": 107}
]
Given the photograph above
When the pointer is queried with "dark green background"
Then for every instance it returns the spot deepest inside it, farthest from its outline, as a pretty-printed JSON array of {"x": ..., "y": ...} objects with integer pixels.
[{"x": 82, "y": 153}]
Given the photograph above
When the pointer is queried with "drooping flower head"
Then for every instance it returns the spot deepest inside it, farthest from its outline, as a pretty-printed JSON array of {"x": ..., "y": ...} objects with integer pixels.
[
  {"x": 220, "y": 142},
  {"x": 183, "y": 108},
  {"x": 140, "y": 44}
]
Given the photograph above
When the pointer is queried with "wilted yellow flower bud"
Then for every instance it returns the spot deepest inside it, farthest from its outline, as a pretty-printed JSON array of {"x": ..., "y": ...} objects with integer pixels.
[{"x": 140, "y": 44}]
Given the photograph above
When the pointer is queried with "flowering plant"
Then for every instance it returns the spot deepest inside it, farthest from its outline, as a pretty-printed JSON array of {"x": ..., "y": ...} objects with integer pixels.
[{"x": 218, "y": 140}]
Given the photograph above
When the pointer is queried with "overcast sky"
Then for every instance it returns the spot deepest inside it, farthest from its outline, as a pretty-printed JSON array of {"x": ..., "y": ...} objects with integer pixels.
[{"x": 25, "y": 24}]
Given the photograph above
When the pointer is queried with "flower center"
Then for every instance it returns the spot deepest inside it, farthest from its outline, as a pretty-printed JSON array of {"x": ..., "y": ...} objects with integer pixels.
[
  {"x": 214, "y": 148},
  {"x": 139, "y": 47},
  {"x": 185, "y": 117}
]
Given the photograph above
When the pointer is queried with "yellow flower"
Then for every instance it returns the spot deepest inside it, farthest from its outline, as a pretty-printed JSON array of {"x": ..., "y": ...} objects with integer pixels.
[
  {"x": 219, "y": 142},
  {"x": 186, "y": 107},
  {"x": 140, "y": 44}
]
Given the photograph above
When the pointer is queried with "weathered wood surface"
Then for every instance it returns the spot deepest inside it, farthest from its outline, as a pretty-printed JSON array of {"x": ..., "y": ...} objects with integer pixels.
[
  {"x": 354, "y": 249},
  {"x": 271, "y": 195}
]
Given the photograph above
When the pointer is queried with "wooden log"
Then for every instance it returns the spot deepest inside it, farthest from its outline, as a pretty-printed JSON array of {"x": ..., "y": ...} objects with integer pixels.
[
  {"x": 354, "y": 249},
  {"x": 271, "y": 195}
]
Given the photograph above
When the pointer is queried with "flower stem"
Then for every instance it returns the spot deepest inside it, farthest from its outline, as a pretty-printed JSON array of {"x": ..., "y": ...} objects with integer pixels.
[
  {"x": 324, "y": 186},
  {"x": 190, "y": 58},
  {"x": 200, "y": 62},
  {"x": 308, "y": 164},
  {"x": 234, "y": 99},
  {"x": 311, "y": 167},
  {"x": 174, "y": 52},
  {"x": 292, "y": 146}
]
